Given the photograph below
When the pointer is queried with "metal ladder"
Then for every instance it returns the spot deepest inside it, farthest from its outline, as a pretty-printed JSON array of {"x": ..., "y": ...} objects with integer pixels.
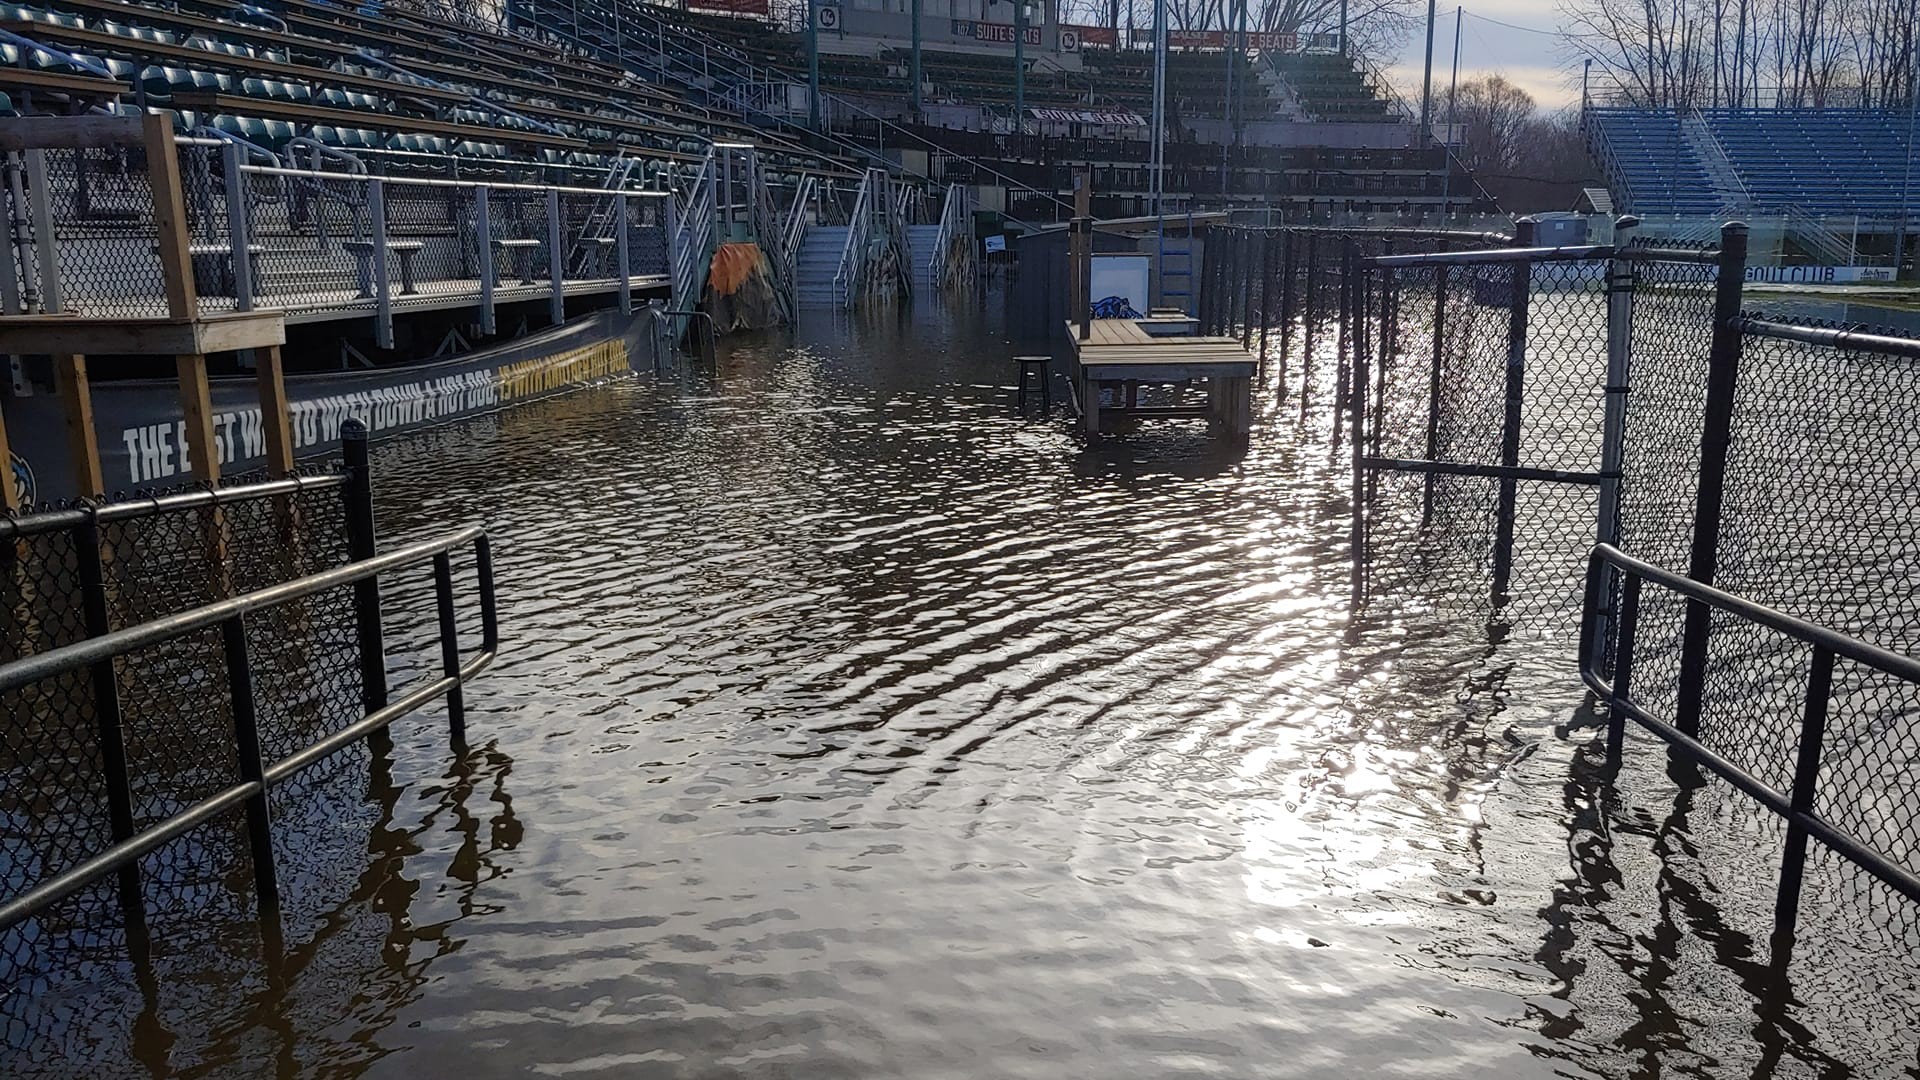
[{"x": 1169, "y": 271}]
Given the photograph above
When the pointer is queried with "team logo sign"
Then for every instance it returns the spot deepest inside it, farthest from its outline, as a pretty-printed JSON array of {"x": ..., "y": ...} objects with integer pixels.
[
  {"x": 1069, "y": 41},
  {"x": 829, "y": 16},
  {"x": 23, "y": 481}
]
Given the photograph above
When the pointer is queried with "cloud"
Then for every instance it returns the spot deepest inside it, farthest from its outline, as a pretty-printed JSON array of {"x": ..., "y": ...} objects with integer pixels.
[{"x": 1546, "y": 82}]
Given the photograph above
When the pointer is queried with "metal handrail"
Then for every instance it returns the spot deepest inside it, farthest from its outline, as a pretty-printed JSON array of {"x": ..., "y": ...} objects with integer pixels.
[
  {"x": 103, "y": 512},
  {"x": 1796, "y": 806},
  {"x": 229, "y": 616},
  {"x": 853, "y": 251},
  {"x": 793, "y": 232}
]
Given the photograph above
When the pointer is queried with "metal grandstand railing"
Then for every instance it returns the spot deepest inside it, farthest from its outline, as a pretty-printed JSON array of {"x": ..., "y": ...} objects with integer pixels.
[{"x": 316, "y": 243}]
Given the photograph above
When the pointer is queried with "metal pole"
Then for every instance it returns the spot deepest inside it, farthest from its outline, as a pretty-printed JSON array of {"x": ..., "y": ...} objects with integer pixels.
[
  {"x": 1622, "y": 668},
  {"x": 1433, "y": 388},
  {"x": 916, "y": 61},
  {"x": 1525, "y": 231},
  {"x": 1266, "y": 293},
  {"x": 361, "y": 542},
  {"x": 1806, "y": 779},
  {"x": 813, "y": 64},
  {"x": 246, "y": 738},
  {"x": 1343, "y": 27},
  {"x": 382, "y": 298},
  {"x": 1619, "y": 374},
  {"x": 108, "y": 729},
  {"x": 1716, "y": 437},
  {"x": 1288, "y": 267},
  {"x": 1019, "y": 67},
  {"x": 621, "y": 258},
  {"x": 1426, "y": 82},
  {"x": 1453, "y": 86},
  {"x": 556, "y": 262},
  {"x": 237, "y": 232},
  {"x": 449, "y": 648},
  {"x": 1356, "y": 425},
  {"x": 1913, "y": 116},
  {"x": 1309, "y": 286},
  {"x": 483, "y": 238}
]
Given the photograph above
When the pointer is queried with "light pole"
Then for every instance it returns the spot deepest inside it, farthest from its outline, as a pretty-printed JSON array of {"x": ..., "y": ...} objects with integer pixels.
[
  {"x": 1019, "y": 67},
  {"x": 813, "y": 64},
  {"x": 916, "y": 61},
  {"x": 1426, "y": 83}
]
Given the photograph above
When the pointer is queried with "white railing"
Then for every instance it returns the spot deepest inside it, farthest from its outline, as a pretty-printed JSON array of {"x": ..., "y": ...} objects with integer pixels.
[
  {"x": 793, "y": 231},
  {"x": 693, "y": 234},
  {"x": 956, "y": 228},
  {"x": 853, "y": 253}
]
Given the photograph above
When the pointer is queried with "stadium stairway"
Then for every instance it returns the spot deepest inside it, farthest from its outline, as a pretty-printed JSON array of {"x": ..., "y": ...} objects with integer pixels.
[
  {"x": 921, "y": 240},
  {"x": 818, "y": 265}
]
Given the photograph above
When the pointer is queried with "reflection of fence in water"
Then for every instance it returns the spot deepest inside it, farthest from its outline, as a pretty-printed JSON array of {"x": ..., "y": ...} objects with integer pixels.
[{"x": 152, "y": 558}]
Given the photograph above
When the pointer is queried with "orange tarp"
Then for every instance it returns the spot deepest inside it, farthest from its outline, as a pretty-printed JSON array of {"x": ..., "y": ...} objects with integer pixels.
[{"x": 733, "y": 264}]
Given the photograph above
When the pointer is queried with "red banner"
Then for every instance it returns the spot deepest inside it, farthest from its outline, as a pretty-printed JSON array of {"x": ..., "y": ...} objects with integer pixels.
[{"x": 1095, "y": 35}]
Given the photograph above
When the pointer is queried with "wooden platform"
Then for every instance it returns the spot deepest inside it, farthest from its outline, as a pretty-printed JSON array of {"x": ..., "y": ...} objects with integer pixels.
[{"x": 1162, "y": 349}]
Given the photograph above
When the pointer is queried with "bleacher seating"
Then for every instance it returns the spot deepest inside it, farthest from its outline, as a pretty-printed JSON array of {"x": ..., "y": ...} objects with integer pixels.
[
  {"x": 1330, "y": 87},
  {"x": 396, "y": 84},
  {"x": 1823, "y": 162}
]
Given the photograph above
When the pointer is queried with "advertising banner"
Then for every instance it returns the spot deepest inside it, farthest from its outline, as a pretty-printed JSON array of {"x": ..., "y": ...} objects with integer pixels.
[
  {"x": 1818, "y": 275},
  {"x": 993, "y": 33},
  {"x": 142, "y": 437},
  {"x": 732, "y": 7},
  {"x": 1220, "y": 39},
  {"x": 1122, "y": 117},
  {"x": 1105, "y": 36}
]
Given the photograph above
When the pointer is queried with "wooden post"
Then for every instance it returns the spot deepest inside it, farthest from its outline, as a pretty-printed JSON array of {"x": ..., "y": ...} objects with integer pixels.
[
  {"x": 169, "y": 215},
  {"x": 276, "y": 421},
  {"x": 196, "y": 409},
  {"x": 9, "y": 491},
  {"x": 70, "y": 375}
]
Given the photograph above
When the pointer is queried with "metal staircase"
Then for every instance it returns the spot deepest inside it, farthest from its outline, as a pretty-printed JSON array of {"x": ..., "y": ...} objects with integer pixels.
[
  {"x": 1721, "y": 173},
  {"x": 1176, "y": 264},
  {"x": 728, "y": 202},
  {"x": 869, "y": 256}
]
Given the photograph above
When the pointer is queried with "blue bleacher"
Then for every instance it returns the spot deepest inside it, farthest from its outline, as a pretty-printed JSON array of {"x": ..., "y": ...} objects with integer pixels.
[
  {"x": 1650, "y": 159},
  {"x": 1827, "y": 162}
]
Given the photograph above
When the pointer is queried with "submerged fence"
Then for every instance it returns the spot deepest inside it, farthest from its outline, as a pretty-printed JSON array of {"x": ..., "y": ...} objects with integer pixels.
[
  {"x": 1505, "y": 408},
  {"x": 188, "y": 684}
]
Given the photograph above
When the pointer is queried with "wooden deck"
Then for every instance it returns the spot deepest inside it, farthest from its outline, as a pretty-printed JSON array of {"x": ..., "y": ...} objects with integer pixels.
[{"x": 1129, "y": 352}]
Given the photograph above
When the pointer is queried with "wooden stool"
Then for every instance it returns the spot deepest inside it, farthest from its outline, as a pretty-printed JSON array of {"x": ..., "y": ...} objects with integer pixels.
[{"x": 1043, "y": 364}]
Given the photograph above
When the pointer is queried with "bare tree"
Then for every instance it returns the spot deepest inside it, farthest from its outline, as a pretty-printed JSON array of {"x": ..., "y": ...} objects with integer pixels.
[
  {"x": 1495, "y": 117},
  {"x": 1688, "y": 54}
]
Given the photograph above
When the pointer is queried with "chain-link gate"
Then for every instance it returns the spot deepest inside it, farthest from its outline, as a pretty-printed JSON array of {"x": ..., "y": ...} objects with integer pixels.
[{"x": 1492, "y": 388}]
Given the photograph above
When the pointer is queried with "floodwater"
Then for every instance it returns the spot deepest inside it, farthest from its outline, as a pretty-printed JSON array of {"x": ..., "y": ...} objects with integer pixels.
[{"x": 852, "y": 725}]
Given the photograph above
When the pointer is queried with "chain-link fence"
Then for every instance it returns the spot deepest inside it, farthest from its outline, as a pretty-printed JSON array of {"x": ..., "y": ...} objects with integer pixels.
[
  {"x": 310, "y": 241},
  {"x": 80, "y": 572}
]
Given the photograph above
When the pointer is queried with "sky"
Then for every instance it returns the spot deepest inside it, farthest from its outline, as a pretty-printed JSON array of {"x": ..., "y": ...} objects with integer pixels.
[{"x": 1529, "y": 58}]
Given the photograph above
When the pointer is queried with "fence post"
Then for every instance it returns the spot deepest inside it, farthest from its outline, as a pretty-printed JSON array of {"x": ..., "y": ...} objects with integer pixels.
[
  {"x": 382, "y": 295},
  {"x": 246, "y": 738},
  {"x": 107, "y": 723},
  {"x": 1806, "y": 776},
  {"x": 1716, "y": 435},
  {"x": 1623, "y": 669},
  {"x": 1289, "y": 267},
  {"x": 1433, "y": 388},
  {"x": 449, "y": 648},
  {"x": 1308, "y": 288},
  {"x": 556, "y": 261},
  {"x": 1356, "y": 424},
  {"x": 1524, "y": 233},
  {"x": 1619, "y": 374},
  {"x": 621, "y": 258},
  {"x": 1249, "y": 266},
  {"x": 239, "y": 237},
  {"x": 1343, "y": 340},
  {"x": 1266, "y": 295},
  {"x": 483, "y": 237},
  {"x": 360, "y": 545}
]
